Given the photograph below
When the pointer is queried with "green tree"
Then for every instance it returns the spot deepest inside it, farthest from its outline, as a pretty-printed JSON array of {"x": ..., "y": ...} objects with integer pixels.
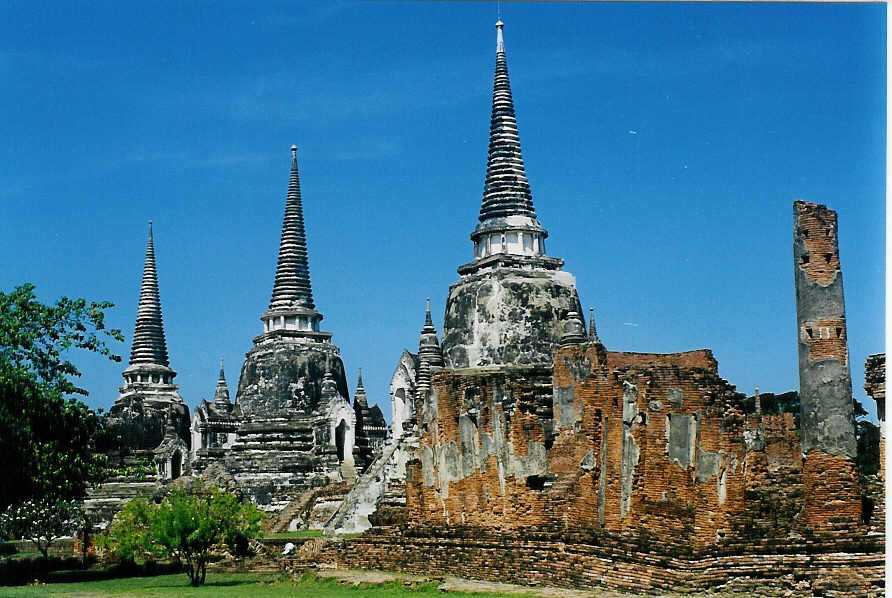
[
  {"x": 48, "y": 438},
  {"x": 42, "y": 521},
  {"x": 129, "y": 537},
  {"x": 185, "y": 526}
]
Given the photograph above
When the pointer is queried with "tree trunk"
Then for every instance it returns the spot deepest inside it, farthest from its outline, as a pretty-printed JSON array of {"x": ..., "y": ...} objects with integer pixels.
[
  {"x": 43, "y": 548},
  {"x": 191, "y": 571}
]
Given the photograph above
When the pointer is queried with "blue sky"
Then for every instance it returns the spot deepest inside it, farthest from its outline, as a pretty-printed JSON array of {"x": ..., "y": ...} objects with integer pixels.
[{"x": 664, "y": 143}]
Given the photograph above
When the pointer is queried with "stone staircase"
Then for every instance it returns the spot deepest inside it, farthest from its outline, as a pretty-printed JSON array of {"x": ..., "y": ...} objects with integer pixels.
[
  {"x": 294, "y": 510},
  {"x": 104, "y": 501},
  {"x": 386, "y": 473}
]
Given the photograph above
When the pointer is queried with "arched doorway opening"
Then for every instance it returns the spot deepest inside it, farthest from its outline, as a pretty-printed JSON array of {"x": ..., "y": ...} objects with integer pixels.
[
  {"x": 176, "y": 465},
  {"x": 340, "y": 437}
]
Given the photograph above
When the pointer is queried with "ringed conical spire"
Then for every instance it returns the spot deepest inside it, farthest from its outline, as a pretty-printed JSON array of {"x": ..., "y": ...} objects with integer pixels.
[
  {"x": 292, "y": 286},
  {"x": 221, "y": 395},
  {"x": 592, "y": 331},
  {"x": 428, "y": 346},
  {"x": 508, "y": 233},
  {"x": 149, "y": 346},
  {"x": 360, "y": 396},
  {"x": 506, "y": 191}
]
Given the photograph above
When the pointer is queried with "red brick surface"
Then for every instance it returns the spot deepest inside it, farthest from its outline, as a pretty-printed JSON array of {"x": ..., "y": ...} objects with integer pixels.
[{"x": 740, "y": 491}]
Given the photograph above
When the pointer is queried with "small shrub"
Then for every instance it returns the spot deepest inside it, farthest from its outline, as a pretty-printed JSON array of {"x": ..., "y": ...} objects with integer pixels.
[{"x": 185, "y": 526}]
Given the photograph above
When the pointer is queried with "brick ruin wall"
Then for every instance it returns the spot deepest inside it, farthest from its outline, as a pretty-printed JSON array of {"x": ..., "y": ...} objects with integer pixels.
[
  {"x": 602, "y": 560},
  {"x": 621, "y": 469},
  {"x": 649, "y": 444}
]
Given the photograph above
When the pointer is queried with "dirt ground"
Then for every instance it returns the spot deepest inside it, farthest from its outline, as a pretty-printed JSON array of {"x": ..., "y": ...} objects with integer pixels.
[{"x": 455, "y": 584}]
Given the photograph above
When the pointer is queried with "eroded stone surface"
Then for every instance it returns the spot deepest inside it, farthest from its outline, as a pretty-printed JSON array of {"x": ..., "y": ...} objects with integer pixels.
[{"x": 507, "y": 316}]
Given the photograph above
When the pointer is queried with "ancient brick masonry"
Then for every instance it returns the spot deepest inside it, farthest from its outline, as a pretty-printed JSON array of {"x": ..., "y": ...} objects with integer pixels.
[
  {"x": 622, "y": 442},
  {"x": 604, "y": 560},
  {"x": 543, "y": 457},
  {"x": 640, "y": 471},
  {"x": 827, "y": 422}
]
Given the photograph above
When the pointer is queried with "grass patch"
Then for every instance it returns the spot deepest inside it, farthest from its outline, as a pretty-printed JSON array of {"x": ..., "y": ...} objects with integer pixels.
[{"x": 232, "y": 585}]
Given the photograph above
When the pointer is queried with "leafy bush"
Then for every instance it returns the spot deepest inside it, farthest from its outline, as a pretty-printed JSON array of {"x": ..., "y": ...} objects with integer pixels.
[
  {"x": 129, "y": 538},
  {"x": 185, "y": 526}
]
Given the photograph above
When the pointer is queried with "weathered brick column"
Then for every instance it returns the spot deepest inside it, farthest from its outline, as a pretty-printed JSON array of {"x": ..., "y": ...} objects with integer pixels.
[{"x": 827, "y": 425}]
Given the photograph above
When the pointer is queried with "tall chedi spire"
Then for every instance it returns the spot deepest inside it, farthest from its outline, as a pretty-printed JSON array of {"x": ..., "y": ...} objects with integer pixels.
[
  {"x": 149, "y": 345},
  {"x": 148, "y": 355},
  {"x": 509, "y": 306},
  {"x": 506, "y": 191},
  {"x": 148, "y": 405},
  {"x": 292, "y": 391},
  {"x": 292, "y": 287},
  {"x": 291, "y": 306},
  {"x": 508, "y": 233}
]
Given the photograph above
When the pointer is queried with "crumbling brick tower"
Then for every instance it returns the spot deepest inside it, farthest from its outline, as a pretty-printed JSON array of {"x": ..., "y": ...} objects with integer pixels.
[{"x": 829, "y": 448}]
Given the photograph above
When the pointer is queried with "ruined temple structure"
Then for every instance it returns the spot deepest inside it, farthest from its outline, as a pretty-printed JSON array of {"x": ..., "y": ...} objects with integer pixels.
[
  {"x": 523, "y": 449},
  {"x": 214, "y": 425},
  {"x": 508, "y": 305},
  {"x": 371, "y": 428},
  {"x": 534, "y": 454},
  {"x": 292, "y": 427},
  {"x": 149, "y": 420},
  {"x": 506, "y": 310},
  {"x": 149, "y": 415}
]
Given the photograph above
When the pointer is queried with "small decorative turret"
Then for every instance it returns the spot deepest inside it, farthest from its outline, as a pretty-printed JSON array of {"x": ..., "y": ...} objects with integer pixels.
[
  {"x": 170, "y": 424},
  {"x": 428, "y": 345},
  {"x": 422, "y": 380},
  {"x": 574, "y": 330},
  {"x": 221, "y": 395},
  {"x": 329, "y": 385},
  {"x": 360, "y": 396},
  {"x": 592, "y": 331}
]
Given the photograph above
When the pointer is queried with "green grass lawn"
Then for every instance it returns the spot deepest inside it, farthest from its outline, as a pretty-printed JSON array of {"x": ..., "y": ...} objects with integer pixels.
[{"x": 231, "y": 584}]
